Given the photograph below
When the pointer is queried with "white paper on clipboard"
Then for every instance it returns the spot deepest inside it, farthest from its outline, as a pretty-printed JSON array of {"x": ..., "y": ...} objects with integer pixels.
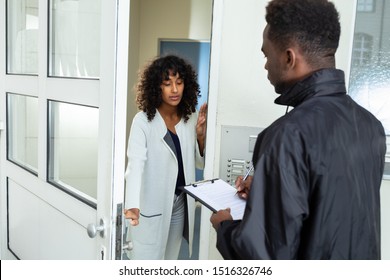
[{"x": 216, "y": 194}]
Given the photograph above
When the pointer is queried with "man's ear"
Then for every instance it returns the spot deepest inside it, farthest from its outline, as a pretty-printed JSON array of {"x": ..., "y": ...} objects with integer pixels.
[{"x": 291, "y": 58}]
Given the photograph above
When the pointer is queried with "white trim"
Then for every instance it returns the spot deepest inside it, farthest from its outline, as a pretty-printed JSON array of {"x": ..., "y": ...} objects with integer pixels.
[
  {"x": 78, "y": 91},
  {"x": 215, "y": 61},
  {"x": 121, "y": 89},
  {"x": 351, "y": 36},
  {"x": 42, "y": 91},
  {"x": 106, "y": 121},
  {"x": 20, "y": 84},
  {"x": 112, "y": 116},
  {"x": 3, "y": 199}
]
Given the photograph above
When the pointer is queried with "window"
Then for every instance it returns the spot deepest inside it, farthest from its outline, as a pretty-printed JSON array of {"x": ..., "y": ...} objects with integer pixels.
[
  {"x": 362, "y": 49},
  {"x": 365, "y": 5},
  {"x": 369, "y": 81}
]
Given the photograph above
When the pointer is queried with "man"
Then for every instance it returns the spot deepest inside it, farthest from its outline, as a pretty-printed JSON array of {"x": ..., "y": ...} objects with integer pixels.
[{"x": 318, "y": 169}]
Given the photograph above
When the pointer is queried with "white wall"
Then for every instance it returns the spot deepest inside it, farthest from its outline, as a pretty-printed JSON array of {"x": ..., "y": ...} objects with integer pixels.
[
  {"x": 173, "y": 19},
  {"x": 133, "y": 60},
  {"x": 240, "y": 93}
]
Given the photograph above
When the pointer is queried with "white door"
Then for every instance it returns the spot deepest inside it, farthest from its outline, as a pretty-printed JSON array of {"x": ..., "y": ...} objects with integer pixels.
[{"x": 63, "y": 87}]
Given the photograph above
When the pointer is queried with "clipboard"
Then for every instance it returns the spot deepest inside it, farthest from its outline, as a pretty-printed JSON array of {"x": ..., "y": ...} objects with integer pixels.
[{"x": 216, "y": 194}]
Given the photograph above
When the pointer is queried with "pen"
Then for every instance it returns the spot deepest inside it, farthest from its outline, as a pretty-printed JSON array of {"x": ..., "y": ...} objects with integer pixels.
[{"x": 246, "y": 175}]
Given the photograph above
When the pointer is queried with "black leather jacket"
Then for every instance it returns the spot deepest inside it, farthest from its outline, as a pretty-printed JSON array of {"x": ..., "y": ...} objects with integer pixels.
[{"x": 318, "y": 171}]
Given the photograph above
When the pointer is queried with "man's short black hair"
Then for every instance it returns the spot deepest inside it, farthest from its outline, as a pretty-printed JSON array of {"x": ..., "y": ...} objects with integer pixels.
[{"x": 311, "y": 24}]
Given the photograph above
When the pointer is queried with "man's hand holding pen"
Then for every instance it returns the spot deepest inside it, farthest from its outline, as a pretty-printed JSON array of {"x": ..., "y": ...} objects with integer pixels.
[{"x": 243, "y": 184}]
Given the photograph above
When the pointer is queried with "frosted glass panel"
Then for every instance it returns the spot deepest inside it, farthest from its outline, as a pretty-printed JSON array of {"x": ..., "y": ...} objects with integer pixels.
[
  {"x": 22, "y": 36},
  {"x": 73, "y": 148},
  {"x": 22, "y": 118},
  {"x": 74, "y": 38},
  {"x": 369, "y": 82}
]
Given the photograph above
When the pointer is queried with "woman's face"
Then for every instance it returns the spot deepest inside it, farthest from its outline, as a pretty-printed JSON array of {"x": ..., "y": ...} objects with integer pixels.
[{"x": 172, "y": 90}]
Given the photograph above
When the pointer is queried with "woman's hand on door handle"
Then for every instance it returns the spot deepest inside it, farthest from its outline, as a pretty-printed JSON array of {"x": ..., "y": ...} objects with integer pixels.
[{"x": 133, "y": 215}]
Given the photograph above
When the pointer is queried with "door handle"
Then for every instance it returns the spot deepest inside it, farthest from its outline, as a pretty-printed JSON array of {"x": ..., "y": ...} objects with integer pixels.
[
  {"x": 93, "y": 229},
  {"x": 127, "y": 245}
]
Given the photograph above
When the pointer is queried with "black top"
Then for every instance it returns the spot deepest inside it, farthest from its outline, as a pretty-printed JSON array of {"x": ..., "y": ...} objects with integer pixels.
[
  {"x": 315, "y": 189},
  {"x": 180, "y": 175}
]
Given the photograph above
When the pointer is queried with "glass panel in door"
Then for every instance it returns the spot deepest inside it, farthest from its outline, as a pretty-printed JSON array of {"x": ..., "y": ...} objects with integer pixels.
[
  {"x": 22, "y": 36},
  {"x": 73, "y": 149},
  {"x": 22, "y": 123},
  {"x": 74, "y": 38}
]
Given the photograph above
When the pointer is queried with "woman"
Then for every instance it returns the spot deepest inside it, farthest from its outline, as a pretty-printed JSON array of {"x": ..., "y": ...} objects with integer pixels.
[{"x": 166, "y": 144}]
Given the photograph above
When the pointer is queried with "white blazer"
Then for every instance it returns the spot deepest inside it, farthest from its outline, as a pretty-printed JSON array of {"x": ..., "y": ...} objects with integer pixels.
[{"x": 151, "y": 180}]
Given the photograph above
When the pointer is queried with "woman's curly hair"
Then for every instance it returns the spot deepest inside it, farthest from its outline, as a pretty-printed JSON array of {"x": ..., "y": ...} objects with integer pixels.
[
  {"x": 148, "y": 89},
  {"x": 312, "y": 24}
]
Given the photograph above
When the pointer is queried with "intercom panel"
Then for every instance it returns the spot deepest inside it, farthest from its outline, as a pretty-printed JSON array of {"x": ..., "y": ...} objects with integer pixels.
[{"x": 237, "y": 144}]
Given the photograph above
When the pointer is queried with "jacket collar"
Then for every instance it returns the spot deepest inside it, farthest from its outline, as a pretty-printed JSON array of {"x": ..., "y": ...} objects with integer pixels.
[
  {"x": 161, "y": 126},
  {"x": 322, "y": 82}
]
